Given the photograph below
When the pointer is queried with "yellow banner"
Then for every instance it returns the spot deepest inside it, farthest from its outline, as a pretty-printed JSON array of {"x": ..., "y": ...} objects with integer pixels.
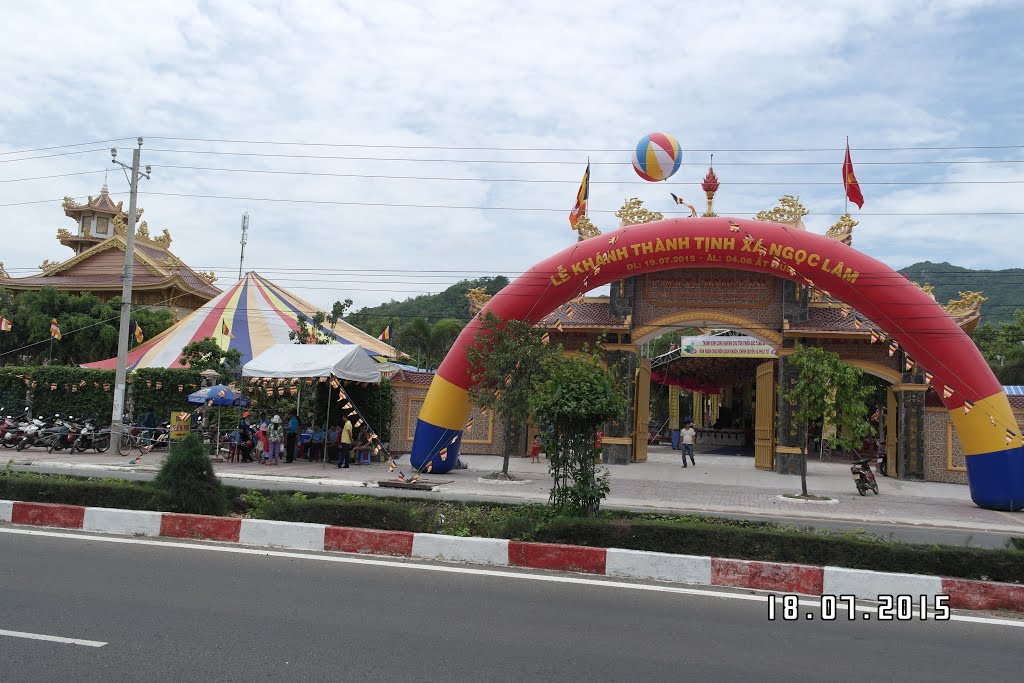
[
  {"x": 673, "y": 407},
  {"x": 181, "y": 423}
]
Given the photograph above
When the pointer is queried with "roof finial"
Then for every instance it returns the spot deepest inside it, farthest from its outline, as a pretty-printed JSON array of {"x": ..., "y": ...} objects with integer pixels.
[
  {"x": 710, "y": 187},
  {"x": 104, "y": 189}
]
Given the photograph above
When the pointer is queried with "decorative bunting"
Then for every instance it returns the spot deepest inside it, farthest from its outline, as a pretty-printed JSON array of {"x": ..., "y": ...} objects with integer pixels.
[
  {"x": 454, "y": 439},
  {"x": 159, "y": 385},
  {"x": 857, "y": 323},
  {"x": 947, "y": 391},
  {"x": 775, "y": 262},
  {"x": 430, "y": 467},
  {"x": 967, "y": 406},
  {"x": 613, "y": 240},
  {"x": 893, "y": 347},
  {"x": 792, "y": 271},
  {"x": 992, "y": 420},
  {"x": 181, "y": 387},
  {"x": 469, "y": 423},
  {"x": 733, "y": 227},
  {"x": 545, "y": 338},
  {"x": 748, "y": 237},
  {"x": 443, "y": 452},
  {"x": 569, "y": 312},
  {"x": 558, "y": 325},
  {"x": 928, "y": 377},
  {"x": 1009, "y": 436},
  {"x": 909, "y": 364},
  {"x": 875, "y": 337}
]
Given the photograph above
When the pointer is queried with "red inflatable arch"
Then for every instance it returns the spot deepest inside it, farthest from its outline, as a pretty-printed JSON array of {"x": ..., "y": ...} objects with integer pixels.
[{"x": 977, "y": 404}]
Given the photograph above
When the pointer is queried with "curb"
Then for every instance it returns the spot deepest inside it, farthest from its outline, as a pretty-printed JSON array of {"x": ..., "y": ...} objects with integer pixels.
[{"x": 630, "y": 564}]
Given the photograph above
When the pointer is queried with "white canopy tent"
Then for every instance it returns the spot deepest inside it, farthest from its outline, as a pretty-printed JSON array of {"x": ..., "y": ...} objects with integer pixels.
[{"x": 293, "y": 361}]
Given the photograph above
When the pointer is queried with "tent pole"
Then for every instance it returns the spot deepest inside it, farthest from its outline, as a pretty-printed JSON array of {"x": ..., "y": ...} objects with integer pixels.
[{"x": 328, "y": 425}]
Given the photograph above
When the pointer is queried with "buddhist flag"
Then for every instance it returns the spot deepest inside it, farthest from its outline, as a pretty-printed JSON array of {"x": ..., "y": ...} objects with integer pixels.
[
  {"x": 733, "y": 227},
  {"x": 55, "y": 330},
  {"x": 569, "y": 312},
  {"x": 225, "y": 330},
  {"x": 992, "y": 420},
  {"x": 908, "y": 365},
  {"x": 385, "y": 335},
  {"x": 5, "y": 324},
  {"x": 545, "y": 338},
  {"x": 582, "y": 196},
  {"x": 1009, "y": 435},
  {"x": 892, "y": 348},
  {"x": 874, "y": 337},
  {"x": 947, "y": 391},
  {"x": 850, "y": 180},
  {"x": 137, "y": 332},
  {"x": 967, "y": 406},
  {"x": 928, "y": 377}
]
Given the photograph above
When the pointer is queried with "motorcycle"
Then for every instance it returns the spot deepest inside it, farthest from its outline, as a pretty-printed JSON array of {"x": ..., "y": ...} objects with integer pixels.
[
  {"x": 91, "y": 437},
  {"x": 9, "y": 428},
  {"x": 62, "y": 435},
  {"x": 863, "y": 477},
  {"x": 30, "y": 435}
]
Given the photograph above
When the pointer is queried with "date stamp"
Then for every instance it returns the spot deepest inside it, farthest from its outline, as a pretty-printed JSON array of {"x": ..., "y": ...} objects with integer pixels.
[{"x": 787, "y": 607}]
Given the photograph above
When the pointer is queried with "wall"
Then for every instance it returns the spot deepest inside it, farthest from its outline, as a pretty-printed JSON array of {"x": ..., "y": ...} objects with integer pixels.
[
  {"x": 484, "y": 437},
  {"x": 943, "y": 456}
]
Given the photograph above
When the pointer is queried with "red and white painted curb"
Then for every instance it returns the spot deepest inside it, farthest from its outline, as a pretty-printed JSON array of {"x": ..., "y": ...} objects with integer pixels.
[{"x": 633, "y": 564}]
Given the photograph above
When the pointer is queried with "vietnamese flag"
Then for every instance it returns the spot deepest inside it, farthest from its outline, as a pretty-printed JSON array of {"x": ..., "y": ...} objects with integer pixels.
[{"x": 850, "y": 180}]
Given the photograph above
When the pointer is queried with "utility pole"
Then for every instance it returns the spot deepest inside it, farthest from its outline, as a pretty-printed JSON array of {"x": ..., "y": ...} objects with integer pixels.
[
  {"x": 126, "y": 290},
  {"x": 245, "y": 239}
]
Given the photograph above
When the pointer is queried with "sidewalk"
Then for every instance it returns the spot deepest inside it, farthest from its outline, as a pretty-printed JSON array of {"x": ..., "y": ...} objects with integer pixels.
[{"x": 719, "y": 483}]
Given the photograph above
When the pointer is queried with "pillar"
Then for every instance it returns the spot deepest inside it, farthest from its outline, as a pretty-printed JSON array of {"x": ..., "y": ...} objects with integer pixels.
[
  {"x": 891, "y": 434},
  {"x": 787, "y": 432},
  {"x": 642, "y": 409},
  {"x": 618, "y": 433},
  {"x": 910, "y": 429}
]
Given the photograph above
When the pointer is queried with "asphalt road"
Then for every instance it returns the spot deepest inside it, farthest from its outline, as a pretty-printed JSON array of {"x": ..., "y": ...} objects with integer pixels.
[
  {"x": 897, "y": 532},
  {"x": 172, "y": 613}
]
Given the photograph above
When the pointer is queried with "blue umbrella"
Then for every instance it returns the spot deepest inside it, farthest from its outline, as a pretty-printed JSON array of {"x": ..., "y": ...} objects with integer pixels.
[{"x": 220, "y": 394}]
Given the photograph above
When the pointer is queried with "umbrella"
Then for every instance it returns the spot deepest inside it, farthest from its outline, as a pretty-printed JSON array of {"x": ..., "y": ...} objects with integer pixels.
[{"x": 220, "y": 394}]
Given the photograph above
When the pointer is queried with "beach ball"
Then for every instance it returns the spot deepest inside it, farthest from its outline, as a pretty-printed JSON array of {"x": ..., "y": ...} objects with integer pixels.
[{"x": 657, "y": 157}]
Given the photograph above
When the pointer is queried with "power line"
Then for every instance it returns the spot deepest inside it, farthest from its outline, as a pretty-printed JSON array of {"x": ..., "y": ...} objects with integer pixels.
[
  {"x": 59, "y": 154},
  {"x": 75, "y": 144},
  {"x": 56, "y": 175},
  {"x": 383, "y": 176},
  {"x": 574, "y": 149},
  {"x": 577, "y": 163}
]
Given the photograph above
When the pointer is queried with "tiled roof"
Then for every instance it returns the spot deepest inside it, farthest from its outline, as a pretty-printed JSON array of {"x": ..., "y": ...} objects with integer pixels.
[
  {"x": 410, "y": 377},
  {"x": 591, "y": 312},
  {"x": 822, "y": 319}
]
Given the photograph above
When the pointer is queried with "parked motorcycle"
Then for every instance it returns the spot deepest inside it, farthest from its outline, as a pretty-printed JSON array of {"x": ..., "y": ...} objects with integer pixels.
[
  {"x": 30, "y": 433},
  {"x": 92, "y": 437},
  {"x": 62, "y": 435},
  {"x": 863, "y": 477},
  {"x": 9, "y": 429}
]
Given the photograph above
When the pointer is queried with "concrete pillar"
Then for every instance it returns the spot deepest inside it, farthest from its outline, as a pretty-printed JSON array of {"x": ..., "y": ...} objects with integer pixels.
[
  {"x": 787, "y": 432},
  {"x": 618, "y": 433}
]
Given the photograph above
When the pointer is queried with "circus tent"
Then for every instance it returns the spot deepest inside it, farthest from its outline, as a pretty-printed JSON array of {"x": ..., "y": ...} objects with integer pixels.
[{"x": 251, "y": 316}]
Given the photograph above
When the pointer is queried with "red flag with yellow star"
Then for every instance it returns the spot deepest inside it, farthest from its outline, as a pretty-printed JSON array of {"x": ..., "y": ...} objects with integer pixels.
[{"x": 850, "y": 180}]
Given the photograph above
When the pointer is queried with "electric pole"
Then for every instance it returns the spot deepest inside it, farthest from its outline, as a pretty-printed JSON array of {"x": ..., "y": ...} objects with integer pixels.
[
  {"x": 245, "y": 239},
  {"x": 126, "y": 290}
]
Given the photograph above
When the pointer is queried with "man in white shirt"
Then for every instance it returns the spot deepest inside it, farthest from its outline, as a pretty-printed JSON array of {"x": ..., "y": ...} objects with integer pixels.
[{"x": 688, "y": 437}]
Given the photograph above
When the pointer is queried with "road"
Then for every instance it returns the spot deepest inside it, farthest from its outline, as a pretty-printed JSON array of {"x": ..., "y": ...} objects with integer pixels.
[
  {"x": 181, "y": 612},
  {"x": 904, "y": 533}
]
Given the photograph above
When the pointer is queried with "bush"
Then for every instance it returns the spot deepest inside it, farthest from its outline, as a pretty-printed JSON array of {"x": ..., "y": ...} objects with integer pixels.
[
  {"x": 112, "y": 493},
  {"x": 368, "y": 514},
  {"x": 188, "y": 482}
]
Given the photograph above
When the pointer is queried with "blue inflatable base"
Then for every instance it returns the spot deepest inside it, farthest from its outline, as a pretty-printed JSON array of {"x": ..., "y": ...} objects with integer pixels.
[
  {"x": 997, "y": 479},
  {"x": 427, "y": 445}
]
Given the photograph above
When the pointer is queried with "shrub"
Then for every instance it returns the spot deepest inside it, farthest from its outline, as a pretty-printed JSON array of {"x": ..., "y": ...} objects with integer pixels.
[
  {"x": 188, "y": 482},
  {"x": 112, "y": 493}
]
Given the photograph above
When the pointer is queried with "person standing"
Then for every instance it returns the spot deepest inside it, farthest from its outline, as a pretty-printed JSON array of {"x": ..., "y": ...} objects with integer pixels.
[
  {"x": 148, "y": 425},
  {"x": 687, "y": 438},
  {"x": 275, "y": 435},
  {"x": 332, "y": 442},
  {"x": 346, "y": 443},
  {"x": 245, "y": 438},
  {"x": 292, "y": 439}
]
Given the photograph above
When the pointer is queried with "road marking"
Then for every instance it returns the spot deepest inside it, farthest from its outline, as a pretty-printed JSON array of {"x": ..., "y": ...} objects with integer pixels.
[
  {"x": 52, "y": 639},
  {"x": 759, "y": 596}
]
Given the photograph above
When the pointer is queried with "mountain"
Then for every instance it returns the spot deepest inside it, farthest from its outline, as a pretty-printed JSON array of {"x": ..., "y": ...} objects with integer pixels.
[
  {"x": 451, "y": 303},
  {"x": 1003, "y": 288}
]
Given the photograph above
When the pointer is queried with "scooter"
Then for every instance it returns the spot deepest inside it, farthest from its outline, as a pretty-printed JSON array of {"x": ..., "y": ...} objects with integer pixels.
[
  {"x": 11, "y": 429},
  {"x": 863, "y": 477},
  {"x": 31, "y": 434},
  {"x": 63, "y": 434},
  {"x": 91, "y": 437}
]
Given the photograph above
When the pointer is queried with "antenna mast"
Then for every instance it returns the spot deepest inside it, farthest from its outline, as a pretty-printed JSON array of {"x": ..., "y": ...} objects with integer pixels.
[{"x": 245, "y": 238}]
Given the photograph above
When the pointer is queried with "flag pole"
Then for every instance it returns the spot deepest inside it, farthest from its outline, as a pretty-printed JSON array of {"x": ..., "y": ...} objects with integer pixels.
[
  {"x": 846, "y": 191},
  {"x": 586, "y": 205}
]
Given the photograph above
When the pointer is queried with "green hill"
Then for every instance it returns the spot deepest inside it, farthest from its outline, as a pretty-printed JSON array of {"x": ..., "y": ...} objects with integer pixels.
[
  {"x": 1003, "y": 288},
  {"x": 451, "y": 303}
]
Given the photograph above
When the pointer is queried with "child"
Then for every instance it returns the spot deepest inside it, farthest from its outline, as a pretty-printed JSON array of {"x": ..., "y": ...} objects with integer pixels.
[
  {"x": 535, "y": 450},
  {"x": 263, "y": 444}
]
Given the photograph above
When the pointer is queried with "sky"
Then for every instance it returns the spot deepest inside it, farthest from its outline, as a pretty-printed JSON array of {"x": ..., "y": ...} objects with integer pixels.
[{"x": 432, "y": 142}]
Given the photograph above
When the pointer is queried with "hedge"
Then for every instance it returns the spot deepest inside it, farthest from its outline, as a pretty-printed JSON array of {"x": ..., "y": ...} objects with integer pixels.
[{"x": 715, "y": 537}]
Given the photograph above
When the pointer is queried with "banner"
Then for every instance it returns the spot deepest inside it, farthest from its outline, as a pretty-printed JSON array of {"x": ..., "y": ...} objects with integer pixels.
[
  {"x": 724, "y": 347},
  {"x": 673, "y": 407},
  {"x": 181, "y": 424}
]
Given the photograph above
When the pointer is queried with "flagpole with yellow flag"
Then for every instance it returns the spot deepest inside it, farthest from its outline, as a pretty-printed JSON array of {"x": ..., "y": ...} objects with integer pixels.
[{"x": 582, "y": 196}]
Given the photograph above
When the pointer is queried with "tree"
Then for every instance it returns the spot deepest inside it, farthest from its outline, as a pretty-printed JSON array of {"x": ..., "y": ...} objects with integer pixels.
[
  {"x": 1002, "y": 346},
  {"x": 506, "y": 360},
  {"x": 207, "y": 354},
  {"x": 824, "y": 388},
  {"x": 89, "y": 326},
  {"x": 576, "y": 397}
]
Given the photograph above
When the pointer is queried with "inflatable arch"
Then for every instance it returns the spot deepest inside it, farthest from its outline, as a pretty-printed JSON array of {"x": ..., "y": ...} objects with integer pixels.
[{"x": 979, "y": 409}]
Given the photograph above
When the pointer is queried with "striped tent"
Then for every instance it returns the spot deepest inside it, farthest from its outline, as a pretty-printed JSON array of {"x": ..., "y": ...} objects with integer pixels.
[{"x": 250, "y": 316}]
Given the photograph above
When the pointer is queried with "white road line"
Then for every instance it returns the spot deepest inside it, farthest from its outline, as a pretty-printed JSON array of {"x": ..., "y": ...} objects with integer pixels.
[
  {"x": 759, "y": 596},
  {"x": 52, "y": 639}
]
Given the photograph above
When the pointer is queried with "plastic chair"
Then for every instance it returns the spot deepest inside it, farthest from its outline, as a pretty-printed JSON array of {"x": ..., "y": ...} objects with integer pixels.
[{"x": 364, "y": 457}]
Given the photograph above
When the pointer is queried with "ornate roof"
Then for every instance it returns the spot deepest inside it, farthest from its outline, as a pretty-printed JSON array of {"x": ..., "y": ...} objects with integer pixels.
[
  {"x": 590, "y": 313},
  {"x": 100, "y": 204}
]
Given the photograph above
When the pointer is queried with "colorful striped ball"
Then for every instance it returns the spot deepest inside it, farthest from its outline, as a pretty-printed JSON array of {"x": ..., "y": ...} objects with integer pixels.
[{"x": 657, "y": 157}]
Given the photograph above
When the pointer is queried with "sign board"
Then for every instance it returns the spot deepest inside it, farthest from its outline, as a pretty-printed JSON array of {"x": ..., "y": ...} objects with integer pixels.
[
  {"x": 181, "y": 424},
  {"x": 724, "y": 347}
]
